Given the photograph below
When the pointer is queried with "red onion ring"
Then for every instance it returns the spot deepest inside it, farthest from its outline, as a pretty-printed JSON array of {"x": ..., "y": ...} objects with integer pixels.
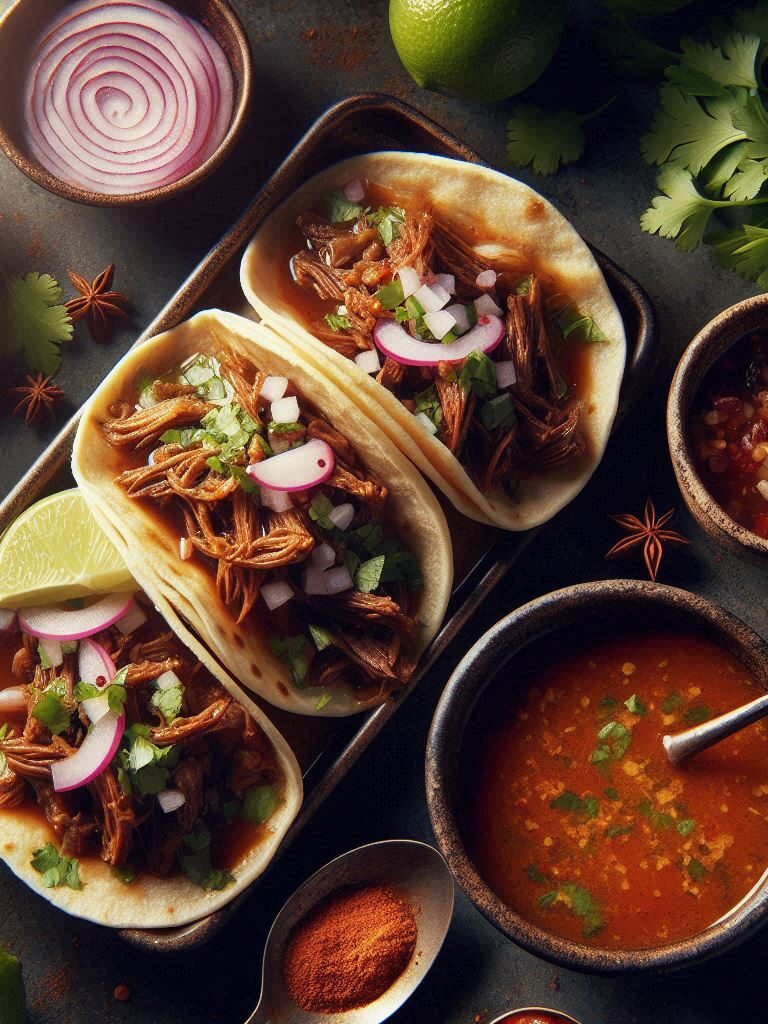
[
  {"x": 394, "y": 341},
  {"x": 297, "y": 469},
  {"x": 128, "y": 96}
]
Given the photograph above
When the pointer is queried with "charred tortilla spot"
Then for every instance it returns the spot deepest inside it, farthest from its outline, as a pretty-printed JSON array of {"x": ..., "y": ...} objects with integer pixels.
[
  {"x": 256, "y": 670},
  {"x": 238, "y": 640},
  {"x": 283, "y": 688},
  {"x": 535, "y": 210}
]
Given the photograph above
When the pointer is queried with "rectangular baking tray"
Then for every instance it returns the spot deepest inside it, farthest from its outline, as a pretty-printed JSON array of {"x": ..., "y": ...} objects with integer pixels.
[{"x": 328, "y": 748}]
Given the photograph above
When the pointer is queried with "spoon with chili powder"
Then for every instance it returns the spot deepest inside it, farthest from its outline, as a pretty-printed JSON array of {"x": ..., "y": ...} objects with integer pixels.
[{"x": 355, "y": 940}]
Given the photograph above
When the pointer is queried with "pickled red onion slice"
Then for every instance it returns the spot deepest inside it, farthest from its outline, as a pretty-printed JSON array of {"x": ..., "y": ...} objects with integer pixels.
[
  {"x": 125, "y": 97},
  {"x": 394, "y": 341},
  {"x": 93, "y": 755},
  {"x": 94, "y": 663},
  {"x": 297, "y": 469},
  {"x": 74, "y": 623}
]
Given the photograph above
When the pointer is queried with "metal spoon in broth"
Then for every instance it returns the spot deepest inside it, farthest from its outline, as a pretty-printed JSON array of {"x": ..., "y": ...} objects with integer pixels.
[
  {"x": 685, "y": 744},
  {"x": 417, "y": 871}
]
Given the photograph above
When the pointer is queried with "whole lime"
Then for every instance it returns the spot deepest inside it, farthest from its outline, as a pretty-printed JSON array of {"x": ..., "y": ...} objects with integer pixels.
[{"x": 478, "y": 49}]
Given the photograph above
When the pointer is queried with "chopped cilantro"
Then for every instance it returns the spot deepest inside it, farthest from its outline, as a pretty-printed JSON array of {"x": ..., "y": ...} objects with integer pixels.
[
  {"x": 697, "y": 714},
  {"x": 428, "y": 402},
  {"x": 259, "y": 804},
  {"x": 478, "y": 375},
  {"x": 323, "y": 700},
  {"x": 636, "y": 706},
  {"x": 614, "y": 740},
  {"x": 388, "y": 220},
  {"x": 612, "y": 794},
  {"x": 618, "y": 830},
  {"x": 296, "y": 652},
  {"x": 45, "y": 661},
  {"x": 391, "y": 295},
  {"x": 125, "y": 875},
  {"x": 685, "y": 826},
  {"x": 168, "y": 702},
  {"x": 368, "y": 575},
  {"x": 580, "y": 325},
  {"x": 115, "y": 693},
  {"x": 340, "y": 209},
  {"x": 548, "y": 898},
  {"x": 585, "y": 906},
  {"x": 696, "y": 869},
  {"x": 656, "y": 819},
  {"x": 52, "y": 709},
  {"x": 414, "y": 308},
  {"x": 319, "y": 508},
  {"x": 145, "y": 765},
  {"x": 534, "y": 874},
  {"x": 608, "y": 702},
  {"x": 588, "y": 806},
  {"x": 671, "y": 703},
  {"x": 195, "y": 860},
  {"x": 337, "y": 322},
  {"x": 321, "y": 637},
  {"x": 401, "y": 315},
  {"x": 523, "y": 287},
  {"x": 55, "y": 869},
  {"x": 498, "y": 412},
  {"x": 68, "y": 646}
]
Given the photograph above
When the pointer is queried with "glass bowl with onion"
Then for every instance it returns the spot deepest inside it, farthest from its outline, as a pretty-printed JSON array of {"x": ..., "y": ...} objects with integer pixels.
[
  {"x": 717, "y": 428},
  {"x": 122, "y": 104}
]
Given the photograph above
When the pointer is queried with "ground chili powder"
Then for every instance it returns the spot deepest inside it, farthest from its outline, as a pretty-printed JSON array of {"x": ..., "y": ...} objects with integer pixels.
[{"x": 350, "y": 949}]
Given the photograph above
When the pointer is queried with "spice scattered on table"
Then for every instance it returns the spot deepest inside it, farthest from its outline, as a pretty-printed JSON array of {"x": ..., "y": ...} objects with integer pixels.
[
  {"x": 648, "y": 532},
  {"x": 122, "y": 993},
  {"x": 350, "y": 949},
  {"x": 38, "y": 399},
  {"x": 97, "y": 302}
]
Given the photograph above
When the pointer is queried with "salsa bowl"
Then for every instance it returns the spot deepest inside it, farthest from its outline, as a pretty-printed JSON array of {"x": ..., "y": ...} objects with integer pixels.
[
  {"x": 457, "y": 740},
  {"x": 709, "y": 345}
]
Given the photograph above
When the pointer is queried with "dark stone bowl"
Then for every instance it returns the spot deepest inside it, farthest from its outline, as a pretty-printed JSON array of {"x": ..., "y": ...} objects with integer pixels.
[
  {"x": 579, "y": 609},
  {"x": 20, "y": 28},
  {"x": 705, "y": 349}
]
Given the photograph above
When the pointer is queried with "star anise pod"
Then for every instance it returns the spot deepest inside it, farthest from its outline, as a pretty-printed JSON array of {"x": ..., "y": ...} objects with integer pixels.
[
  {"x": 38, "y": 397},
  {"x": 649, "y": 533},
  {"x": 97, "y": 302}
]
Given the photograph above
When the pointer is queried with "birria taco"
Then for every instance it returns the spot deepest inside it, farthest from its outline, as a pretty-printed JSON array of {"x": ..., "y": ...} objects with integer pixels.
[
  {"x": 462, "y": 312},
  {"x": 245, "y": 490},
  {"x": 135, "y": 790}
]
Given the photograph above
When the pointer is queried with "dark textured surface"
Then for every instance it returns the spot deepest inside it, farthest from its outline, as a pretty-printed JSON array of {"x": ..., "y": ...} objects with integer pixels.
[{"x": 71, "y": 967}]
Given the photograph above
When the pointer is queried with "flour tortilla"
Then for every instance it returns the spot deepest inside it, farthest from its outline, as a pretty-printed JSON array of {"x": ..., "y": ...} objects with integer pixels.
[
  {"x": 505, "y": 217},
  {"x": 149, "y": 543},
  {"x": 151, "y": 902}
]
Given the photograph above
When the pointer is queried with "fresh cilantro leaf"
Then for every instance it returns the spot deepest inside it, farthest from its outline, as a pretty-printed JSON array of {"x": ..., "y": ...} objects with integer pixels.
[
  {"x": 636, "y": 706},
  {"x": 696, "y": 869},
  {"x": 368, "y": 575},
  {"x": 608, "y": 702},
  {"x": 618, "y": 830},
  {"x": 697, "y": 714},
  {"x": 337, "y": 322},
  {"x": 747, "y": 180},
  {"x": 195, "y": 861},
  {"x": 671, "y": 703},
  {"x": 656, "y": 819},
  {"x": 548, "y": 898},
  {"x": 322, "y": 637},
  {"x": 428, "y": 402},
  {"x": 745, "y": 250},
  {"x": 125, "y": 875},
  {"x": 319, "y": 508},
  {"x": 498, "y": 412},
  {"x": 33, "y": 321},
  {"x": 534, "y": 874},
  {"x": 688, "y": 132},
  {"x": 296, "y": 652},
  {"x": 685, "y": 826},
  {"x": 388, "y": 220},
  {"x": 55, "y": 869},
  {"x": 259, "y": 804},
  {"x": 682, "y": 212},
  {"x": 588, "y": 806},
  {"x": 612, "y": 794},
  {"x": 340, "y": 209},
  {"x": 583, "y": 904},
  {"x": 705, "y": 65},
  {"x": 614, "y": 740},
  {"x": 581, "y": 326},
  {"x": 168, "y": 702},
  {"x": 478, "y": 375},
  {"x": 323, "y": 700},
  {"x": 147, "y": 765},
  {"x": 546, "y": 139},
  {"x": 45, "y": 661},
  {"x": 52, "y": 712},
  {"x": 391, "y": 295}
]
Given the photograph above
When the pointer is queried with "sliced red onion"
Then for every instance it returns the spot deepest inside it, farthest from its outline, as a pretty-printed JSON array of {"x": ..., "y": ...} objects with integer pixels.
[
  {"x": 171, "y": 800},
  {"x": 7, "y": 620},
  {"x": 354, "y": 191},
  {"x": 368, "y": 361},
  {"x": 166, "y": 680},
  {"x": 440, "y": 322},
  {"x": 431, "y": 297},
  {"x": 486, "y": 279},
  {"x": 485, "y": 306},
  {"x": 93, "y": 755},
  {"x": 285, "y": 410},
  {"x": 394, "y": 341},
  {"x": 12, "y": 701},
  {"x": 94, "y": 663},
  {"x": 95, "y": 708},
  {"x": 186, "y": 549},
  {"x": 278, "y": 501},
  {"x": 74, "y": 623},
  {"x": 127, "y": 96},
  {"x": 323, "y": 556},
  {"x": 338, "y": 579},
  {"x": 296, "y": 470},
  {"x": 276, "y": 594},
  {"x": 459, "y": 314},
  {"x": 506, "y": 375},
  {"x": 426, "y": 422},
  {"x": 273, "y": 388},
  {"x": 133, "y": 619},
  {"x": 410, "y": 280},
  {"x": 447, "y": 281},
  {"x": 52, "y": 650},
  {"x": 342, "y": 516}
]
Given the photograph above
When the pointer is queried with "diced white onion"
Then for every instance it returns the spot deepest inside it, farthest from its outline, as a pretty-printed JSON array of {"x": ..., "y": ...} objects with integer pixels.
[
  {"x": 459, "y": 314},
  {"x": 52, "y": 650},
  {"x": 166, "y": 680},
  {"x": 410, "y": 280},
  {"x": 147, "y": 398},
  {"x": 132, "y": 620},
  {"x": 342, "y": 515},
  {"x": 354, "y": 191},
  {"x": 322, "y": 557},
  {"x": 274, "y": 388},
  {"x": 431, "y": 297},
  {"x": 486, "y": 279},
  {"x": 486, "y": 306},
  {"x": 505, "y": 373},
  {"x": 447, "y": 281},
  {"x": 440, "y": 322},
  {"x": 285, "y": 410},
  {"x": 171, "y": 800},
  {"x": 315, "y": 580},
  {"x": 276, "y": 594},
  {"x": 426, "y": 422},
  {"x": 368, "y": 361},
  {"x": 278, "y": 501},
  {"x": 95, "y": 708},
  {"x": 339, "y": 579},
  {"x": 186, "y": 548},
  {"x": 762, "y": 486}
]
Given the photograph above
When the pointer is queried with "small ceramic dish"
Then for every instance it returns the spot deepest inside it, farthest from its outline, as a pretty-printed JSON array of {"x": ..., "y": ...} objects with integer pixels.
[
  {"x": 575, "y": 610},
  {"x": 702, "y": 353},
  {"x": 21, "y": 26},
  {"x": 535, "y": 1014}
]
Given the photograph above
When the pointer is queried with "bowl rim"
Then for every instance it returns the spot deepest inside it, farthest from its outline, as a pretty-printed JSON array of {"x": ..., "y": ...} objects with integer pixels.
[
  {"x": 530, "y": 622},
  {"x": 29, "y": 166},
  {"x": 550, "y": 1010},
  {"x": 711, "y": 342}
]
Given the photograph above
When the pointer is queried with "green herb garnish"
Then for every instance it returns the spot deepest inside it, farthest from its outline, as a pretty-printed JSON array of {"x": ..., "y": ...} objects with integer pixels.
[
  {"x": 319, "y": 509},
  {"x": 125, "y": 875},
  {"x": 321, "y": 637},
  {"x": 428, "y": 402},
  {"x": 618, "y": 830},
  {"x": 168, "y": 702},
  {"x": 614, "y": 740},
  {"x": 548, "y": 898},
  {"x": 658, "y": 820},
  {"x": 697, "y": 714},
  {"x": 145, "y": 766},
  {"x": 391, "y": 295},
  {"x": 33, "y": 321},
  {"x": 195, "y": 860},
  {"x": 612, "y": 794},
  {"x": 53, "y": 708},
  {"x": 671, "y": 703},
  {"x": 498, "y": 412},
  {"x": 478, "y": 375},
  {"x": 340, "y": 209},
  {"x": 55, "y": 869},
  {"x": 368, "y": 575},
  {"x": 388, "y": 220},
  {"x": 636, "y": 706},
  {"x": 586, "y": 907},
  {"x": 337, "y": 322},
  {"x": 588, "y": 806},
  {"x": 534, "y": 874},
  {"x": 323, "y": 700},
  {"x": 296, "y": 652},
  {"x": 259, "y": 804},
  {"x": 685, "y": 826},
  {"x": 696, "y": 869}
]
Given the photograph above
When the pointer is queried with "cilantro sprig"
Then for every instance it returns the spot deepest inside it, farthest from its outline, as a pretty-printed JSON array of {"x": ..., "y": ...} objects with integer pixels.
[
  {"x": 34, "y": 322},
  {"x": 547, "y": 139},
  {"x": 55, "y": 869}
]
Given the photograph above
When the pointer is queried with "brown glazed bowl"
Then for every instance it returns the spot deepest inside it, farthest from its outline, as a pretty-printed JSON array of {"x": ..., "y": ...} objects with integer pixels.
[
  {"x": 533, "y": 1011},
  {"x": 20, "y": 27},
  {"x": 576, "y": 610},
  {"x": 705, "y": 349}
]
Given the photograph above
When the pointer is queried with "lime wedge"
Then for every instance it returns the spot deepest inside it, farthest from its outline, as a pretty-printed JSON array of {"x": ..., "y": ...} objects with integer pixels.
[
  {"x": 12, "y": 1001},
  {"x": 55, "y": 550}
]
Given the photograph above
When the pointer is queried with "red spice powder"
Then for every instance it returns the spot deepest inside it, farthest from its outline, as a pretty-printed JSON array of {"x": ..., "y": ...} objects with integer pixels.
[{"x": 350, "y": 949}]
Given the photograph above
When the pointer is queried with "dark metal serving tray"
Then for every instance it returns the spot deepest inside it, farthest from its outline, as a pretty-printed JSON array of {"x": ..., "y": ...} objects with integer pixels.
[{"x": 327, "y": 749}]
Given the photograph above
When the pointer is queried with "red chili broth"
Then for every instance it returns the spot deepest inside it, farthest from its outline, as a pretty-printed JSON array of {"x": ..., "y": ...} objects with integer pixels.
[{"x": 634, "y": 853}]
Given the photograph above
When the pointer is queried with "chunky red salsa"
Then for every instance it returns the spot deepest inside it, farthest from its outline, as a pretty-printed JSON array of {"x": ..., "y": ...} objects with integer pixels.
[
  {"x": 729, "y": 432},
  {"x": 577, "y": 819}
]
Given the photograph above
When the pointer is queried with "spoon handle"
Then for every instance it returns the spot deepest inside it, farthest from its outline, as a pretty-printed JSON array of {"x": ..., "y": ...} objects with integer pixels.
[{"x": 685, "y": 744}]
